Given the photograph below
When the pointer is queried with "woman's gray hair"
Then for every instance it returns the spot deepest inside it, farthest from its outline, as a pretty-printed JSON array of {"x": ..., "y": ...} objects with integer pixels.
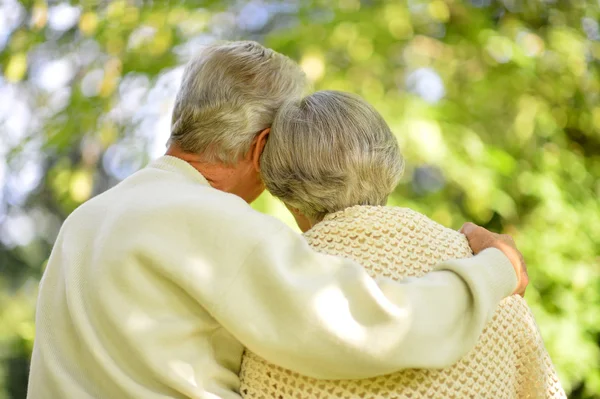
[
  {"x": 329, "y": 151},
  {"x": 229, "y": 93}
]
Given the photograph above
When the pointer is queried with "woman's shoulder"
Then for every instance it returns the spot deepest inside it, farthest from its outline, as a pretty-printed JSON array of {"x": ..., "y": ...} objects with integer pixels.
[
  {"x": 392, "y": 230},
  {"x": 388, "y": 218}
]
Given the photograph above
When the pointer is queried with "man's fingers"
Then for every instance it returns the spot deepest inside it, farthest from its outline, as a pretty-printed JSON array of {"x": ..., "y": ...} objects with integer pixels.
[
  {"x": 507, "y": 239},
  {"x": 480, "y": 239},
  {"x": 468, "y": 228}
]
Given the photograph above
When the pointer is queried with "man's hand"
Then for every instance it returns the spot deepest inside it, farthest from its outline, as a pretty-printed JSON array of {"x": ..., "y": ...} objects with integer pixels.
[{"x": 480, "y": 239}]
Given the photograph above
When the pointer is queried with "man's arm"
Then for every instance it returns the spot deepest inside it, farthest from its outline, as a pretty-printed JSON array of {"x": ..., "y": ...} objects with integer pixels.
[{"x": 324, "y": 317}]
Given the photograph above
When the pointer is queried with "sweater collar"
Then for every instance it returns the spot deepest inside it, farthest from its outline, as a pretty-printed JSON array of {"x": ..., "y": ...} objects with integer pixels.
[{"x": 176, "y": 165}]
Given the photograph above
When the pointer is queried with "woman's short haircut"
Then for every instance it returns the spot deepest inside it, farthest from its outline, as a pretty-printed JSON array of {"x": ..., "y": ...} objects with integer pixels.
[{"x": 329, "y": 151}]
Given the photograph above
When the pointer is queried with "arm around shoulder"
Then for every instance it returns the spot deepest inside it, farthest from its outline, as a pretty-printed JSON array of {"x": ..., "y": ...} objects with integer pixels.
[{"x": 324, "y": 317}]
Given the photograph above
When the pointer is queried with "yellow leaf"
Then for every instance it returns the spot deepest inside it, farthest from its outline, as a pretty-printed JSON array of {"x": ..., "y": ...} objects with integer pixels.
[
  {"x": 400, "y": 28},
  {"x": 39, "y": 15},
  {"x": 361, "y": 50},
  {"x": 439, "y": 11},
  {"x": 532, "y": 44},
  {"x": 162, "y": 41},
  {"x": 88, "y": 23},
  {"x": 349, "y": 5},
  {"x": 596, "y": 118},
  {"x": 343, "y": 34},
  {"x": 112, "y": 74},
  {"x": 16, "y": 67},
  {"x": 115, "y": 10},
  {"x": 80, "y": 186},
  {"x": 177, "y": 15},
  {"x": 108, "y": 86},
  {"x": 131, "y": 16},
  {"x": 107, "y": 134},
  {"x": 115, "y": 45}
]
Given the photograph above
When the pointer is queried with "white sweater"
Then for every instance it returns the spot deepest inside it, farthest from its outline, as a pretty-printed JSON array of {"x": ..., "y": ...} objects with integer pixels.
[{"x": 154, "y": 288}]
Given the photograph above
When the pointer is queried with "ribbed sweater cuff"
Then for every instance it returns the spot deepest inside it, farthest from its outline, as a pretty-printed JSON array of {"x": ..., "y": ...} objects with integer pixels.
[
  {"x": 502, "y": 277},
  {"x": 489, "y": 273}
]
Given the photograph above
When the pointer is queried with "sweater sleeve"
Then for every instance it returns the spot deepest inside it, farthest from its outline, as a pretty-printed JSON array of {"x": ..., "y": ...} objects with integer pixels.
[{"x": 324, "y": 317}]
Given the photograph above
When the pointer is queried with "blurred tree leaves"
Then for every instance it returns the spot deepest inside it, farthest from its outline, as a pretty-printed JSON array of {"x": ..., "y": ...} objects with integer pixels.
[{"x": 495, "y": 105}]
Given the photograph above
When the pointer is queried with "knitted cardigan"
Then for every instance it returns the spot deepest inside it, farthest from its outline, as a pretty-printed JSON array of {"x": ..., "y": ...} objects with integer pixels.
[{"x": 509, "y": 361}]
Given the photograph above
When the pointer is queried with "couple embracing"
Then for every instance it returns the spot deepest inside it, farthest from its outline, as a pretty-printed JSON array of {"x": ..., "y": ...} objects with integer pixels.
[{"x": 170, "y": 285}]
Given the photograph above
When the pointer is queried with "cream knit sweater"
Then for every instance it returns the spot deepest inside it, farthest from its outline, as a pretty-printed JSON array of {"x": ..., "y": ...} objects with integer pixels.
[
  {"x": 154, "y": 288},
  {"x": 509, "y": 361}
]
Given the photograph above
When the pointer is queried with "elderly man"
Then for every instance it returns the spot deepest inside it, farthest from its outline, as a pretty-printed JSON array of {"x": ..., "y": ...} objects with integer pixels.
[{"x": 155, "y": 287}]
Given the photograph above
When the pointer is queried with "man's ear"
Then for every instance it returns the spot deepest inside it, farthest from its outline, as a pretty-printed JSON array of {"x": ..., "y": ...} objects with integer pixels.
[{"x": 259, "y": 146}]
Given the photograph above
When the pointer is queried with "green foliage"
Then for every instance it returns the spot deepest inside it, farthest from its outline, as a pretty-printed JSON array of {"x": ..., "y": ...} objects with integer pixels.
[{"x": 494, "y": 103}]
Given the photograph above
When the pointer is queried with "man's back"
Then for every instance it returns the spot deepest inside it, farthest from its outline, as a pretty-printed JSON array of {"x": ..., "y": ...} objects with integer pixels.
[{"x": 113, "y": 322}]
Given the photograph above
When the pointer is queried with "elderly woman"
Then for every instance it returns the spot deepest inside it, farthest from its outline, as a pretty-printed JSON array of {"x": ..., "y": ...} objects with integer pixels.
[{"x": 333, "y": 161}]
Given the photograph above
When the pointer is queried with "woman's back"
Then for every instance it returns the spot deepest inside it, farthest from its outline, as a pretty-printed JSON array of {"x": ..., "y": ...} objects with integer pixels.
[{"x": 509, "y": 361}]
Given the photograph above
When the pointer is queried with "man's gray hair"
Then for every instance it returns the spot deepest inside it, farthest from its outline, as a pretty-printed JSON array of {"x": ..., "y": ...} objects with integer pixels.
[
  {"x": 229, "y": 93},
  {"x": 329, "y": 151}
]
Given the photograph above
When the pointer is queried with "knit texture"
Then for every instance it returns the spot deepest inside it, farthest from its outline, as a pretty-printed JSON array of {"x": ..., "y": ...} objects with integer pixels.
[{"x": 509, "y": 360}]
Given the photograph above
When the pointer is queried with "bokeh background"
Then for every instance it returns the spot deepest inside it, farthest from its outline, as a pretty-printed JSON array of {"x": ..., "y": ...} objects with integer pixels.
[{"x": 495, "y": 105}]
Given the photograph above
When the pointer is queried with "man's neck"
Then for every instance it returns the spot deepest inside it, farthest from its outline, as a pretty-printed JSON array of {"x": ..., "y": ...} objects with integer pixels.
[
  {"x": 216, "y": 173},
  {"x": 241, "y": 179}
]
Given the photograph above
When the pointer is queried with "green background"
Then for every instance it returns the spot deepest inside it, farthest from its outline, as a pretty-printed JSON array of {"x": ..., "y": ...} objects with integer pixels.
[{"x": 495, "y": 105}]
